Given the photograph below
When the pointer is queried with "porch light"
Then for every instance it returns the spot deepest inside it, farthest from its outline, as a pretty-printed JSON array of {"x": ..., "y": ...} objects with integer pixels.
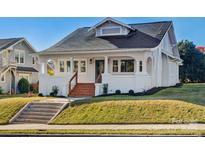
[{"x": 91, "y": 61}]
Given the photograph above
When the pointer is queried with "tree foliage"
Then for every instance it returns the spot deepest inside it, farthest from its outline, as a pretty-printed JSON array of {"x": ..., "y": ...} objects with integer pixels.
[
  {"x": 193, "y": 68},
  {"x": 23, "y": 86}
]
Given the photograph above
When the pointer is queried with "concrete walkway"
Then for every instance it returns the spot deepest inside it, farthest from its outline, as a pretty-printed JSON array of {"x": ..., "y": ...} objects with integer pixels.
[{"x": 126, "y": 126}]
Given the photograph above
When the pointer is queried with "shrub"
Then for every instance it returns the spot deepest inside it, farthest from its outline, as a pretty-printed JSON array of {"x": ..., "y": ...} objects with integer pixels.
[
  {"x": 117, "y": 92},
  {"x": 23, "y": 86},
  {"x": 105, "y": 89},
  {"x": 1, "y": 90},
  {"x": 54, "y": 91},
  {"x": 34, "y": 87},
  {"x": 131, "y": 92},
  {"x": 40, "y": 95}
]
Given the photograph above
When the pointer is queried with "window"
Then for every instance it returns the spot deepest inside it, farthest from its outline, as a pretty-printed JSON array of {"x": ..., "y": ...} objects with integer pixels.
[
  {"x": 68, "y": 66},
  {"x": 140, "y": 66},
  {"x": 16, "y": 54},
  {"x": 110, "y": 30},
  {"x": 62, "y": 66},
  {"x": 115, "y": 66},
  {"x": 3, "y": 78},
  {"x": 75, "y": 69},
  {"x": 33, "y": 60},
  {"x": 127, "y": 65},
  {"x": 19, "y": 57},
  {"x": 82, "y": 66},
  {"x": 149, "y": 66}
]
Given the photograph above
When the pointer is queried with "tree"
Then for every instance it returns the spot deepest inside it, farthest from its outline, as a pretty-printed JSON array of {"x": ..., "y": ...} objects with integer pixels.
[
  {"x": 23, "y": 86},
  {"x": 193, "y": 68}
]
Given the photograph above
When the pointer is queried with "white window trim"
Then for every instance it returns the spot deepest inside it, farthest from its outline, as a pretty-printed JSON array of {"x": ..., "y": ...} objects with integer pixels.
[
  {"x": 119, "y": 66},
  {"x": 110, "y": 34},
  {"x": 20, "y": 51},
  {"x": 86, "y": 66},
  {"x": 4, "y": 78},
  {"x": 65, "y": 63}
]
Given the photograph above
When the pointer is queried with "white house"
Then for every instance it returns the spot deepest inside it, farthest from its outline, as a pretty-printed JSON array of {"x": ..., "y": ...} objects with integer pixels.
[
  {"x": 122, "y": 56},
  {"x": 17, "y": 60}
]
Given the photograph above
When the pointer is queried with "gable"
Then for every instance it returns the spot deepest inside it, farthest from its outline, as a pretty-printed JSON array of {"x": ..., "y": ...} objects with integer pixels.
[
  {"x": 111, "y": 28},
  {"x": 23, "y": 46},
  {"x": 169, "y": 43}
]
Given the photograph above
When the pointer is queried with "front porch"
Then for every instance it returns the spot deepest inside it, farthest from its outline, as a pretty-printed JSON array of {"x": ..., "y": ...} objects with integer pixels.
[{"x": 71, "y": 73}]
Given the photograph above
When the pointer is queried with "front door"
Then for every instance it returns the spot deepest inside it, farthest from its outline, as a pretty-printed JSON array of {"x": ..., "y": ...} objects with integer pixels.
[{"x": 99, "y": 69}]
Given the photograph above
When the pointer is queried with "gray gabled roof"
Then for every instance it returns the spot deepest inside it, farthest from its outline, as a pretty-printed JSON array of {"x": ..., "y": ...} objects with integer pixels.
[
  {"x": 145, "y": 35},
  {"x": 6, "y": 43}
]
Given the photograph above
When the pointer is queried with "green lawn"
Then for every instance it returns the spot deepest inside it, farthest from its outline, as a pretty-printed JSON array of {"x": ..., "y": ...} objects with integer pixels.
[
  {"x": 10, "y": 106},
  {"x": 109, "y": 132},
  {"x": 185, "y": 104}
]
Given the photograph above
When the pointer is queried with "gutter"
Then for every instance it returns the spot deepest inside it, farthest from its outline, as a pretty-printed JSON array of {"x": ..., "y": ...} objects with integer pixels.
[{"x": 96, "y": 51}]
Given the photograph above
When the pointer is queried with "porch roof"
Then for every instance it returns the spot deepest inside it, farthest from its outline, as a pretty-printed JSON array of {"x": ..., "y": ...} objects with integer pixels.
[
  {"x": 26, "y": 69},
  {"x": 146, "y": 35}
]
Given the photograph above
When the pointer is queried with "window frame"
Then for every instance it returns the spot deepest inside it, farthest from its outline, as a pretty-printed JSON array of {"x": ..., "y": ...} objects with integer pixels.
[
  {"x": 140, "y": 66},
  {"x": 65, "y": 65},
  {"x": 110, "y": 34},
  {"x": 19, "y": 53},
  {"x": 119, "y": 66},
  {"x": 79, "y": 65}
]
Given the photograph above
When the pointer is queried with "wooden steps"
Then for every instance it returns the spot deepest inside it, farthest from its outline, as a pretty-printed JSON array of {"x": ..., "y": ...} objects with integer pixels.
[
  {"x": 40, "y": 112},
  {"x": 83, "y": 89}
]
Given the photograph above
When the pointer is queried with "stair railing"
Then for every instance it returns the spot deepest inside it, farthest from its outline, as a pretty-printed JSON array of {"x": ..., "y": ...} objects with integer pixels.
[
  {"x": 74, "y": 78},
  {"x": 99, "y": 78}
]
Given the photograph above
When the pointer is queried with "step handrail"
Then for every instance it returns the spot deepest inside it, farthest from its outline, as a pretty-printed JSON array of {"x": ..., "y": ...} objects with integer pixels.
[
  {"x": 75, "y": 76},
  {"x": 98, "y": 78}
]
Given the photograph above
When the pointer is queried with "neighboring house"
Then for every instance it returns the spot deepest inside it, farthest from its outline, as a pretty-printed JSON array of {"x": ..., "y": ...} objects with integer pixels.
[
  {"x": 122, "y": 56},
  {"x": 17, "y": 60}
]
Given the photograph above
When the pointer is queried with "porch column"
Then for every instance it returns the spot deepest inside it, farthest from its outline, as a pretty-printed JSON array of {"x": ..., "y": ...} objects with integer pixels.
[
  {"x": 106, "y": 65},
  {"x": 71, "y": 65}
]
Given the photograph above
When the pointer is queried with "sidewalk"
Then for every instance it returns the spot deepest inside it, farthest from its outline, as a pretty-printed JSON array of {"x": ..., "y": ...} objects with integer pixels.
[{"x": 117, "y": 126}]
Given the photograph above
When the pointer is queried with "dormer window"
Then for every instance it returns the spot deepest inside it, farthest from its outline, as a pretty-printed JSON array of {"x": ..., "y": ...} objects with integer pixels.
[{"x": 110, "y": 31}]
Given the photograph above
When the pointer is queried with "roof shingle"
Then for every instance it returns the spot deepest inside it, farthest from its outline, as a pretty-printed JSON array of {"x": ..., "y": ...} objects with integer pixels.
[{"x": 146, "y": 35}]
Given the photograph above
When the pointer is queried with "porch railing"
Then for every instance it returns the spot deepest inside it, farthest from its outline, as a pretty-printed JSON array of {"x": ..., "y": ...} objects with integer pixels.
[{"x": 71, "y": 84}]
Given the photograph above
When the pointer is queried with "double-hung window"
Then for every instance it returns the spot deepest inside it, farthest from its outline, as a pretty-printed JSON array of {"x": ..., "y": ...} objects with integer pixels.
[
  {"x": 115, "y": 66},
  {"x": 19, "y": 56},
  {"x": 64, "y": 66},
  {"x": 80, "y": 66}
]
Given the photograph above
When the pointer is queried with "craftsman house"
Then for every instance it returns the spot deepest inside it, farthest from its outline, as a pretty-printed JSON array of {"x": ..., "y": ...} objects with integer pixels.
[
  {"x": 17, "y": 60},
  {"x": 111, "y": 56}
]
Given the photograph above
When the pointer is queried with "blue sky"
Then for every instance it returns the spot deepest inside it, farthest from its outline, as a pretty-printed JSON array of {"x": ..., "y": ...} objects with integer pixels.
[{"x": 44, "y": 32}]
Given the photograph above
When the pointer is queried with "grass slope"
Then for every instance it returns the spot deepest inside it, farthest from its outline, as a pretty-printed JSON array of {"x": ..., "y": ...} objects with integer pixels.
[
  {"x": 108, "y": 132},
  {"x": 10, "y": 106},
  {"x": 184, "y": 104},
  {"x": 132, "y": 111}
]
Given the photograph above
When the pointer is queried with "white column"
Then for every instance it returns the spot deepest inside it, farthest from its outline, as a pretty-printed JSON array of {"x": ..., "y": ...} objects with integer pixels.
[
  {"x": 42, "y": 68},
  {"x": 71, "y": 65},
  {"x": 106, "y": 65}
]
